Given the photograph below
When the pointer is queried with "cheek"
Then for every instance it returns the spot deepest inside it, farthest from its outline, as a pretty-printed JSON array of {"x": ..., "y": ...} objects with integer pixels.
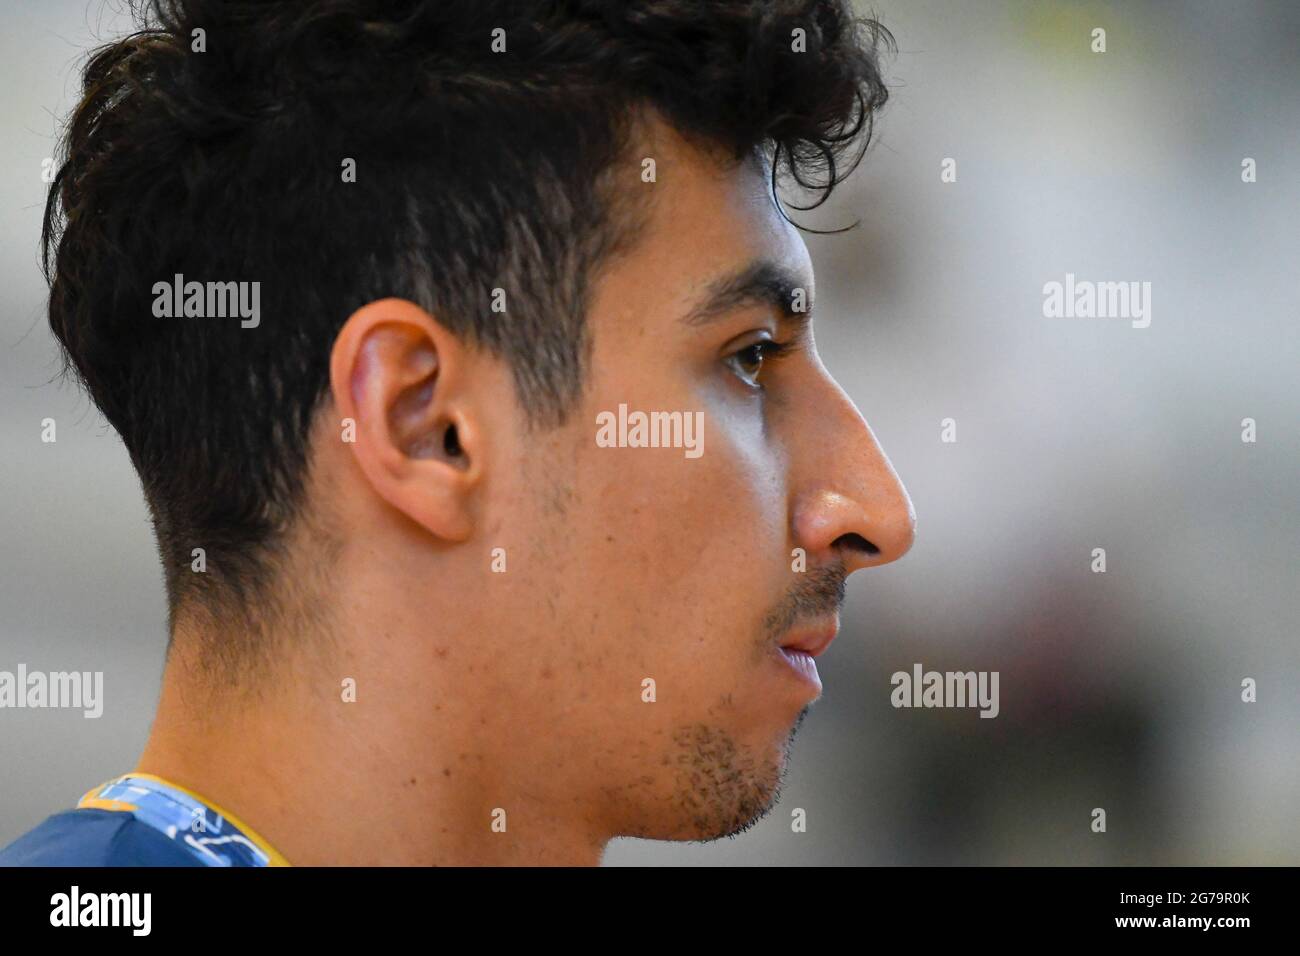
[{"x": 686, "y": 550}]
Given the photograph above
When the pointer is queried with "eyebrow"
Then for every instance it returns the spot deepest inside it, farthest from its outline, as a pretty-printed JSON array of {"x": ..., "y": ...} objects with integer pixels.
[{"x": 762, "y": 282}]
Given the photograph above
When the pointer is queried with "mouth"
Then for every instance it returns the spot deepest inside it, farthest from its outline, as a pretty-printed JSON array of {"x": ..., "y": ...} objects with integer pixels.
[
  {"x": 802, "y": 645},
  {"x": 812, "y": 640}
]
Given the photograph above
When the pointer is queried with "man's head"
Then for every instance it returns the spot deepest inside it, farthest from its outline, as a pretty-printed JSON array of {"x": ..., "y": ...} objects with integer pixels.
[{"x": 502, "y": 249}]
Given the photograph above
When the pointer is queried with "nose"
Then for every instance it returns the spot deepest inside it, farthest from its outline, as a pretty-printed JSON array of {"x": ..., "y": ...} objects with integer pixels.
[{"x": 849, "y": 504}]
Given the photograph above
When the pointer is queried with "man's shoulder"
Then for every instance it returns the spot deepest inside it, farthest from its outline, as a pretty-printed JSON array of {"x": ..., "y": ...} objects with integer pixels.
[{"x": 92, "y": 837}]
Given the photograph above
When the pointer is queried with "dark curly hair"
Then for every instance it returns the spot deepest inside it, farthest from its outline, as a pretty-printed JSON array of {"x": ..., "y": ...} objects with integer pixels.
[{"x": 475, "y": 170}]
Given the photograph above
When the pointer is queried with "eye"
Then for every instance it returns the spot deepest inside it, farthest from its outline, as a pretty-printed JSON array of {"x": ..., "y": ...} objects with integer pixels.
[{"x": 747, "y": 363}]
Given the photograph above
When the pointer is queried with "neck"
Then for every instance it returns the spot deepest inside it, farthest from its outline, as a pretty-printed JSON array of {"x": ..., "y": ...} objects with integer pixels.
[{"x": 385, "y": 779}]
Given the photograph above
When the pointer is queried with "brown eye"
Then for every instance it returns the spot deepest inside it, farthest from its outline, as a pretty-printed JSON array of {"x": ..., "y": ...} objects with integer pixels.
[{"x": 747, "y": 363}]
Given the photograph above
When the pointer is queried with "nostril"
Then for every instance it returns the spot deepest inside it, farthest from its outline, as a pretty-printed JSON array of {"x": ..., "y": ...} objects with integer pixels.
[{"x": 854, "y": 542}]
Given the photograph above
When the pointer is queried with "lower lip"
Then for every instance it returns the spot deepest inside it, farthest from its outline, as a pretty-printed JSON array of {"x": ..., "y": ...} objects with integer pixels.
[{"x": 801, "y": 664}]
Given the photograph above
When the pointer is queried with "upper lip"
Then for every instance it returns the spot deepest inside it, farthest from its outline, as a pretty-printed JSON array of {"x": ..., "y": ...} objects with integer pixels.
[{"x": 811, "y": 640}]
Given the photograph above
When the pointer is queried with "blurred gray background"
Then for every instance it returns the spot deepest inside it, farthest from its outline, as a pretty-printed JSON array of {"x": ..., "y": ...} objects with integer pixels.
[{"x": 1119, "y": 690}]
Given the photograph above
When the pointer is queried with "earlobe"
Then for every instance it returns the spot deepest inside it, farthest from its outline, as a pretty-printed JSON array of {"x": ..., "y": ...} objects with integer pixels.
[{"x": 398, "y": 374}]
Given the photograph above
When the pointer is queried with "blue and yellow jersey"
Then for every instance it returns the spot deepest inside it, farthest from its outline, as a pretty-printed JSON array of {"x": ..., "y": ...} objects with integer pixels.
[{"x": 142, "y": 820}]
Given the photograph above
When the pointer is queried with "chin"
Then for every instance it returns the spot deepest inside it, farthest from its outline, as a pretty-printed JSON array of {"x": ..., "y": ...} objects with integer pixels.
[{"x": 721, "y": 787}]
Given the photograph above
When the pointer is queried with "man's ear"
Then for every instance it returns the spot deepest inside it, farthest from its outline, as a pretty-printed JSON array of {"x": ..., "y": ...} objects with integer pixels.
[{"x": 402, "y": 378}]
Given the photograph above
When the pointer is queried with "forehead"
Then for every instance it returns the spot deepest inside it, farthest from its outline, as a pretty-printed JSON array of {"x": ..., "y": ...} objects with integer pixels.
[{"x": 705, "y": 217}]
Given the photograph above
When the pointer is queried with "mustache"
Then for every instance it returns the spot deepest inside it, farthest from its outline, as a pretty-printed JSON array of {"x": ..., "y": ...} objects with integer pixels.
[{"x": 820, "y": 592}]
